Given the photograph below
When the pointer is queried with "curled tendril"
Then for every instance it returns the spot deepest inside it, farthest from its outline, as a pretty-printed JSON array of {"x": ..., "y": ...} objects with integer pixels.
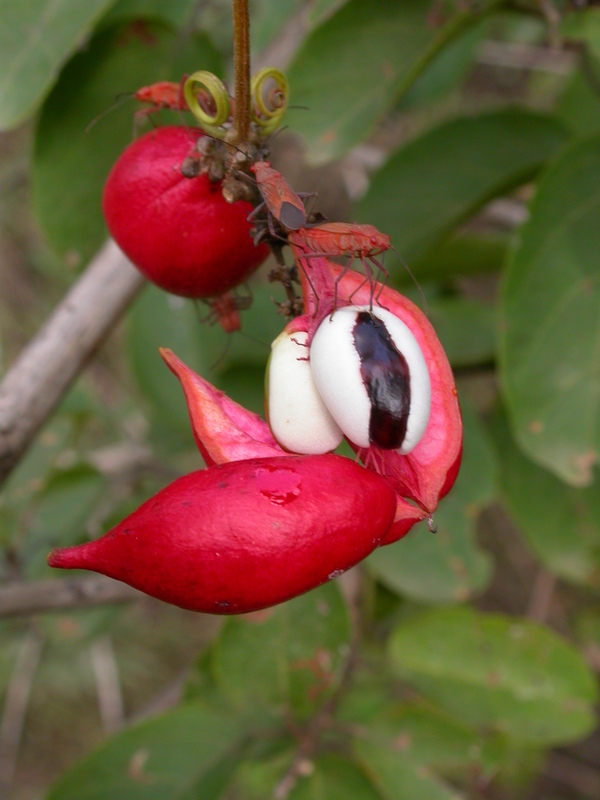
[
  {"x": 270, "y": 93},
  {"x": 208, "y": 100}
]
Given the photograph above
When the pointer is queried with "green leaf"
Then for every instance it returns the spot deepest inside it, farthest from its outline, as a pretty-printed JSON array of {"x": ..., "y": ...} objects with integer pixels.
[
  {"x": 234, "y": 362},
  {"x": 438, "y": 180},
  {"x": 395, "y": 776},
  {"x": 447, "y": 567},
  {"x": 158, "y": 319},
  {"x": 579, "y": 106},
  {"x": 186, "y": 754},
  {"x": 584, "y": 26},
  {"x": 268, "y": 19},
  {"x": 550, "y": 328},
  {"x": 560, "y": 524},
  {"x": 462, "y": 254},
  {"x": 258, "y": 778},
  {"x": 320, "y": 10},
  {"x": 69, "y": 165},
  {"x": 510, "y": 675},
  {"x": 446, "y": 70},
  {"x": 292, "y": 654},
  {"x": 63, "y": 511},
  {"x": 334, "y": 778},
  {"x": 419, "y": 734},
  {"x": 36, "y": 39},
  {"x": 354, "y": 67},
  {"x": 466, "y": 329},
  {"x": 174, "y": 12}
]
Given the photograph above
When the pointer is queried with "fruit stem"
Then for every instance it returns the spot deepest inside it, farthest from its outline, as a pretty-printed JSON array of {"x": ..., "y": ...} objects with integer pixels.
[{"x": 241, "y": 68}]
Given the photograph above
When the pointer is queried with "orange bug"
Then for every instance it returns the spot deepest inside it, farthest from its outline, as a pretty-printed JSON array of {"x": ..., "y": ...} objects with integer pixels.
[
  {"x": 281, "y": 201},
  {"x": 163, "y": 94},
  {"x": 333, "y": 239},
  {"x": 225, "y": 310},
  {"x": 343, "y": 239}
]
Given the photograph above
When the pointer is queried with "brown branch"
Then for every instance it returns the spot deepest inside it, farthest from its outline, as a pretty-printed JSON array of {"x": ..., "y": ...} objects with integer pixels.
[
  {"x": 241, "y": 67},
  {"x": 108, "y": 686},
  {"x": 21, "y": 598},
  {"x": 15, "y": 707},
  {"x": 542, "y": 594},
  {"x": 46, "y": 368}
]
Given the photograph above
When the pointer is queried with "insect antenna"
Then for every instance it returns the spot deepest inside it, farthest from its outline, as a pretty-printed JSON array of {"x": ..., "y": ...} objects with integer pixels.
[
  {"x": 119, "y": 100},
  {"x": 414, "y": 280}
]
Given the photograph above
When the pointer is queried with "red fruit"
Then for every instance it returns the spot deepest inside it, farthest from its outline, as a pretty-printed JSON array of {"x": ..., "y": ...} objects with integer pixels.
[
  {"x": 180, "y": 232},
  {"x": 245, "y": 535}
]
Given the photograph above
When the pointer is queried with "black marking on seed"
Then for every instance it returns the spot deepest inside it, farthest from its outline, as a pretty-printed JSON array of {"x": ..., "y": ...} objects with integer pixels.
[{"x": 386, "y": 378}]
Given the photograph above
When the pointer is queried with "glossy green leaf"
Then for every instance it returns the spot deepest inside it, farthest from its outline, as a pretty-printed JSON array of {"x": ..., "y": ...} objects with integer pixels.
[
  {"x": 561, "y": 524},
  {"x": 186, "y": 754},
  {"x": 550, "y": 327},
  {"x": 505, "y": 674},
  {"x": 395, "y": 776},
  {"x": 70, "y": 165},
  {"x": 354, "y": 67},
  {"x": 290, "y": 655},
  {"x": 448, "y": 566},
  {"x": 466, "y": 329},
  {"x": 439, "y": 179},
  {"x": 36, "y": 39},
  {"x": 333, "y": 776}
]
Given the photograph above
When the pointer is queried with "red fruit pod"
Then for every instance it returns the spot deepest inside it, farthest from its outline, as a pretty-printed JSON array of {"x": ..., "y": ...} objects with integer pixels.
[
  {"x": 180, "y": 232},
  {"x": 246, "y": 535}
]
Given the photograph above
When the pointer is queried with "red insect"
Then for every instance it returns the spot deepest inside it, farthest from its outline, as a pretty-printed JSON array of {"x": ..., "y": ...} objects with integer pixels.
[
  {"x": 333, "y": 239},
  {"x": 225, "y": 310},
  {"x": 281, "y": 201},
  {"x": 164, "y": 94},
  {"x": 343, "y": 239}
]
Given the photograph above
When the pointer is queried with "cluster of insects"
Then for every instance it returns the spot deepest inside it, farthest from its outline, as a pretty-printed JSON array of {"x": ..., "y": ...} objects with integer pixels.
[{"x": 281, "y": 217}]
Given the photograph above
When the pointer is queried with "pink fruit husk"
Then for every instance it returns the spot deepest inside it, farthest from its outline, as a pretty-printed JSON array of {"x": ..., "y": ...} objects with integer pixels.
[
  {"x": 225, "y": 431},
  {"x": 428, "y": 472},
  {"x": 245, "y": 535},
  {"x": 180, "y": 232}
]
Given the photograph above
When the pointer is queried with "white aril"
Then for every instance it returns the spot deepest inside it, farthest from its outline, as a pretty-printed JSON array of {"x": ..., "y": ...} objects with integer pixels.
[
  {"x": 372, "y": 376},
  {"x": 296, "y": 414}
]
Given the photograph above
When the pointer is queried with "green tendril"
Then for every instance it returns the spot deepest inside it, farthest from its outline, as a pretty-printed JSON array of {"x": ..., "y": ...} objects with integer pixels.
[
  {"x": 209, "y": 101},
  {"x": 270, "y": 93}
]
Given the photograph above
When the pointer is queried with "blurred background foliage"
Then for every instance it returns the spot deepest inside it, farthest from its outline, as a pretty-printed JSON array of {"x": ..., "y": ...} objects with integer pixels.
[{"x": 462, "y": 665}]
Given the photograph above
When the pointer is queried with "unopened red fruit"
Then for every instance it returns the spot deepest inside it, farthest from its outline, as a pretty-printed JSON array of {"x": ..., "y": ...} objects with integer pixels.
[
  {"x": 180, "y": 232},
  {"x": 245, "y": 535}
]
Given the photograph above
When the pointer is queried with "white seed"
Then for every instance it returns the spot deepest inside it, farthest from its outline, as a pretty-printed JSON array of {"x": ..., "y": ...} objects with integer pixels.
[
  {"x": 297, "y": 416},
  {"x": 336, "y": 368}
]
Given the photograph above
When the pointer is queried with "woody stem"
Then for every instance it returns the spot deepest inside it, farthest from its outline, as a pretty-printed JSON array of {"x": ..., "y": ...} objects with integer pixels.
[{"x": 241, "y": 67}]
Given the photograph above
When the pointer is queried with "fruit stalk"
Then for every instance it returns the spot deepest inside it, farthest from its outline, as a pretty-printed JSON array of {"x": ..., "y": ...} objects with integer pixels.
[{"x": 241, "y": 66}]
